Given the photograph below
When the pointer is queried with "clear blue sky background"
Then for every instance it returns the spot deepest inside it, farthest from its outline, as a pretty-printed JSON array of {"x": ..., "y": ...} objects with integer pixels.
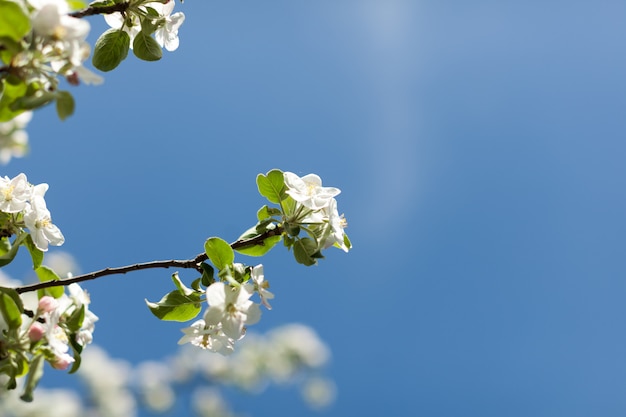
[{"x": 481, "y": 150}]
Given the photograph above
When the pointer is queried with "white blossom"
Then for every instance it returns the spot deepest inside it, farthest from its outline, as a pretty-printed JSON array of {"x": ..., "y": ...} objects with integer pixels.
[
  {"x": 336, "y": 225},
  {"x": 42, "y": 230},
  {"x": 207, "y": 336},
  {"x": 260, "y": 285},
  {"x": 308, "y": 190},
  {"x": 232, "y": 308},
  {"x": 14, "y": 194},
  {"x": 167, "y": 34}
]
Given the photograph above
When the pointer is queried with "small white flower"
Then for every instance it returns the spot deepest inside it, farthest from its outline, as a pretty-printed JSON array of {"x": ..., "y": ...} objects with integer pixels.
[
  {"x": 336, "y": 223},
  {"x": 14, "y": 194},
  {"x": 209, "y": 337},
  {"x": 260, "y": 285},
  {"x": 308, "y": 190},
  {"x": 167, "y": 35},
  {"x": 232, "y": 308},
  {"x": 38, "y": 221}
]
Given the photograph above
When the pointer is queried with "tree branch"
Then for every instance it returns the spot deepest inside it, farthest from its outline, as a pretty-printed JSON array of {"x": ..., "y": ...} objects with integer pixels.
[
  {"x": 187, "y": 264},
  {"x": 94, "y": 10}
]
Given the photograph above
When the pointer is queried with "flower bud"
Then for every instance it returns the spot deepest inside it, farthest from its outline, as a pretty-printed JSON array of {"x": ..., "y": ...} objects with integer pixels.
[
  {"x": 62, "y": 362},
  {"x": 36, "y": 332},
  {"x": 47, "y": 304}
]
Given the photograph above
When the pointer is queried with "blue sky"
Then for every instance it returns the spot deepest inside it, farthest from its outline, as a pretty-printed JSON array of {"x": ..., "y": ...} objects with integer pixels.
[{"x": 480, "y": 151}]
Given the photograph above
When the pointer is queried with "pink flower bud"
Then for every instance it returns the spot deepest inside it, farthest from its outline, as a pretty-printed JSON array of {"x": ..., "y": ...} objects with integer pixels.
[
  {"x": 62, "y": 362},
  {"x": 36, "y": 332},
  {"x": 47, "y": 304}
]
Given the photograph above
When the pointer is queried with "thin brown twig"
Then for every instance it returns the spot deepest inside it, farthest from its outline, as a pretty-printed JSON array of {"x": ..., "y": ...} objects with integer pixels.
[{"x": 194, "y": 263}]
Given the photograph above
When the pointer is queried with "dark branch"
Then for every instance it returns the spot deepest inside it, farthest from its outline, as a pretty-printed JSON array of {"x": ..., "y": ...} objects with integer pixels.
[
  {"x": 91, "y": 11},
  {"x": 185, "y": 264}
]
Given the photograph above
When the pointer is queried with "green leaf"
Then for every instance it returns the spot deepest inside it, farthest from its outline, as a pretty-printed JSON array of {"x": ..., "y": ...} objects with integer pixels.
[
  {"x": 14, "y": 20},
  {"x": 12, "y": 91},
  {"x": 5, "y": 245},
  {"x": 146, "y": 48},
  {"x": 6, "y": 258},
  {"x": 35, "y": 254},
  {"x": 76, "y": 4},
  {"x": 77, "y": 349},
  {"x": 46, "y": 274},
  {"x": 39, "y": 98},
  {"x": 207, "y": 274},
  {"x": 111, "y": 49},
  {"x": 75, "y": 321},
  {"x": 103, "y": 3},
  {"x": 175, "y": 306},
  {"x": 266, "y": 212},
  {"x": 305, "y": 251},
  {"x": 34, "y": 375},
  {"x": 219, "y": 252},
  {"x": 181, "y": 287},
  {"x": 263, "y": 246},
  {"x": 65, "y": 104},
  {"x": 11, "y": 307},
  {"x": 272, "y": 185}
]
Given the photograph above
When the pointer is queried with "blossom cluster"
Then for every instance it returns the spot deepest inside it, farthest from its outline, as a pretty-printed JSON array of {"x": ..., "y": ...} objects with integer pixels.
[
  {"x": 54, "y": 329},
  {"x": 230, "y": 311},
  {"x": 316, "y": 209},
  {"x": 168, "y": 24},
  {"x": 58, "y": 47},
  {"x": 23, "y": 205}
]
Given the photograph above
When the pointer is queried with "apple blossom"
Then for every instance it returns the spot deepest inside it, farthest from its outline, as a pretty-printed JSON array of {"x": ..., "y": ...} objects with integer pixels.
[
  {"x": 308, "y": 190},
  {"x": 38, "y": 221},
  {"x": 232, "y": 308},
  {"x": 14, "y": 194},
  {"x": 336, "y": 223},
  {"x": 260, "y": 285},
  {"x": 167, "y": 34},
  {"x": 209, "y": 337}
]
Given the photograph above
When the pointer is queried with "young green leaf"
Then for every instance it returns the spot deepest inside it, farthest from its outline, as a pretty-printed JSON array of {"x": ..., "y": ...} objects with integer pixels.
[
  {"x": 175, "y": 306},
  {"x": 35, "y": 254},
  {"x": 272, "y": 185},
  {"x": 65, "y": 104},
  {"x": 146, "y": 48},
  {"x": 14, "y": 20},
  {"x": 111, "y": 49},
  {"x": 46, "y": 274},
  {"x": 219, "y": 252},
  {"x": 11, "y": 307},
  {"x": 259, "y": 248},
  {"x": 305, "y": 251},
  {"x": 10, "y": 93}
]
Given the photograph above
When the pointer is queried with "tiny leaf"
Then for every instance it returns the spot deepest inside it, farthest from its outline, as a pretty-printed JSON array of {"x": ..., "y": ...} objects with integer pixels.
[{"x": 65, "y": 104}]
